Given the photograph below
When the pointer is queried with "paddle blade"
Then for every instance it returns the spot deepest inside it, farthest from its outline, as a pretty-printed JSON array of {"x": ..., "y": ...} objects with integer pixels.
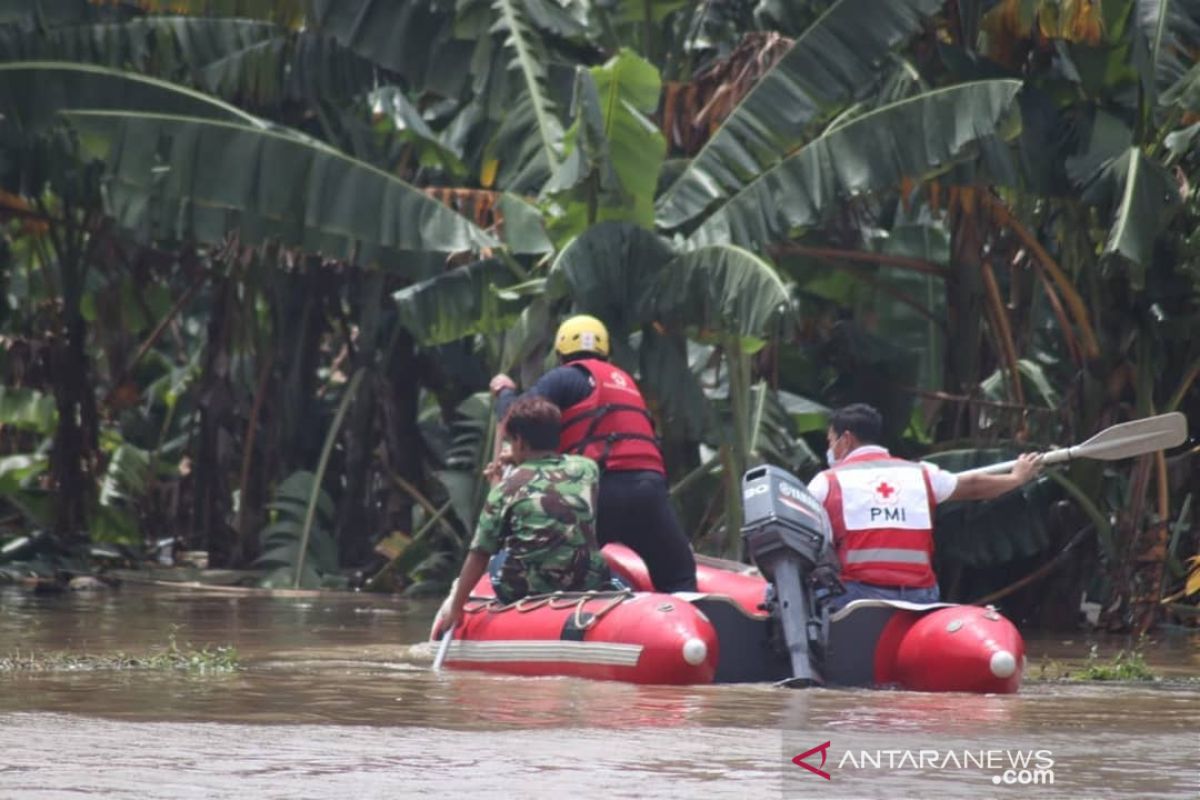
[{"x": 1135, "y": 438}]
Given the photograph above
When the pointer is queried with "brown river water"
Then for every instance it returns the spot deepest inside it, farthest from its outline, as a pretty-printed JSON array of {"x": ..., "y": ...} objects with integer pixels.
[{"x": 335, "y": 699}]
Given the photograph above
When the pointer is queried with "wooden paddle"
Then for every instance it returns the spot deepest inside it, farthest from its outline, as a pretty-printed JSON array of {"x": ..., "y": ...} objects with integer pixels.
[
  {"x": 1126, "y": 440},
  {"x": 497, "y": 450}
]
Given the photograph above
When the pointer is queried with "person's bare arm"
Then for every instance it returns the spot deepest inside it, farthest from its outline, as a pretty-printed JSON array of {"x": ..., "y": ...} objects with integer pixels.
[
  {"x": 472, "y": 570},
  {"x": 985, "y": 487}
]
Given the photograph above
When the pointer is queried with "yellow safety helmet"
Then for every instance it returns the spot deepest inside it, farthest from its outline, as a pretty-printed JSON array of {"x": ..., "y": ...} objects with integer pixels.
[{"x": 581, "y": 334}]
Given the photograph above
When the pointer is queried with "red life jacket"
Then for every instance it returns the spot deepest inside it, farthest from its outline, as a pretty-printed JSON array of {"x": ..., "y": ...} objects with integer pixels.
[
  {"x": 881, "y": 509},
  {"x": 611, "y": 425}
]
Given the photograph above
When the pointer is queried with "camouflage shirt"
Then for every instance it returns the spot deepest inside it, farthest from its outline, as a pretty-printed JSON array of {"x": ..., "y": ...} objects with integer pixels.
[{"x": 543, "y": 514}]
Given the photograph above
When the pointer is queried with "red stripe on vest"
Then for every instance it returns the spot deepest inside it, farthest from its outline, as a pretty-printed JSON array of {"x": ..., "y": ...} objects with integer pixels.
[
  {"x": 880, "y": 572},
  {"x": 612, "y": 387}
]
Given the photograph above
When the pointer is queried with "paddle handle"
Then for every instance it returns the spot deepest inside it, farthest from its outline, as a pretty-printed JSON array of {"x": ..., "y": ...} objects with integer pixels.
[
  {"x": 442, "y": 649},
  {"x": 1049, "y": 457}
]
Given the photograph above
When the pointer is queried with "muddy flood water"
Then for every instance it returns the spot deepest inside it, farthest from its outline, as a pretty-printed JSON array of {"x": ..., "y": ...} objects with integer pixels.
[{"x": 334, "y": 698}]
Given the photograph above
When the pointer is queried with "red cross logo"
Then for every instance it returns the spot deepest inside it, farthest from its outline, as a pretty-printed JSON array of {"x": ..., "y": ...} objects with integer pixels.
[{"x": 885, "y": 490}]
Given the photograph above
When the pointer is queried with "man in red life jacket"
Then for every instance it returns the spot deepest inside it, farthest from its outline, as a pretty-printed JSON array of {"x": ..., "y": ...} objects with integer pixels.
[
  {"x": 881, "y": 508},
  {"x": 604, "y": 418}
]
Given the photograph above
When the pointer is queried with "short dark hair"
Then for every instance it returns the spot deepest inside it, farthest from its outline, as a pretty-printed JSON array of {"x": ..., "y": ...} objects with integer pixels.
[
  {"x": 864, "y": 421},
  {"x": 536, "y": 420},
  {"x": 580, "y": 355}
]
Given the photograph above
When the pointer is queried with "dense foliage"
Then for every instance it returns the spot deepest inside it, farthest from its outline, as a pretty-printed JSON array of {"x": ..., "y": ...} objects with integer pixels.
[{"x": 261, "y": 256}]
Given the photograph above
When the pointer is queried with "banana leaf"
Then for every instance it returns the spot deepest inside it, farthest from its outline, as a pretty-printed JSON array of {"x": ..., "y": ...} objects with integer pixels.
[
  {"x": 609, "y": 269},
  {"x": 518, "y": 18},
  {"x": 31, "y": 13},
  {"x": 33, "y": 93},
  {"x": 27, "y": 409},
  {"x": 1181, "y": 141},
  {"x": 913, "y": 139},
  {"x": 807, "y": 415},
  {"x": 187, "y": 177},
  {"x": 637, "y": 12},
  {"x": 835, "y": 60},
  {"x": 613, "y": 152},
  {"x": 527, "y": 341},
  {"x": 15, "y": 470},
  {"x": 281, "y": 538},
  {"x": 163, "y": 46},
  {"x": 671, "y": 385},
  {"x": 724, "y": 290},
  {"x": 1139, "y": 196},
  {"x": 1033, "y": 377},
  {"x": 775, "y": 436},
  {"x": 1185, "y": 93},
  {"x": 248, "y": 61},
  {"x": 524, "y": 228},
  {"x": 503, "y": 57},
  {"x": 1108, "y": 137},
  {"x": 464, "y": 459},
  {"x": 1172, "y": 30},
  {"x": 398, "y": 131},
  {"x": 462, "y": 302},
  {"x": 297, "y": 67},
  {"x": 437, "y": 51},
  {"x": 514, "y": 152}
]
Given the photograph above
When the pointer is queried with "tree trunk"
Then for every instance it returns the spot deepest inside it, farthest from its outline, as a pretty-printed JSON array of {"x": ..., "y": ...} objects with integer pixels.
[
  {"x": 404, "y": 443},
  {"x": 214, "y": 445},
  {"x": 72, "y": 456},
  {"x": 299, "y": 323},
  {"x": 964, "y": 308},
  {"x": 354, "y": 528},
  {"x": 73, "y": 453}
]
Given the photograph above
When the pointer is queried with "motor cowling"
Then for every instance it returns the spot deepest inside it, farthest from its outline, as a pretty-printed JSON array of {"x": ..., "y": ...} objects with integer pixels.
[{"x": 785, "y": 531}]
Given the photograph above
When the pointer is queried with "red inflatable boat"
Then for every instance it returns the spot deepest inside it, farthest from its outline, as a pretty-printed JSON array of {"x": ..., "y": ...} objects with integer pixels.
[
  {"x": 626, "y": 636},
  {"x": 724, "y": 634}
]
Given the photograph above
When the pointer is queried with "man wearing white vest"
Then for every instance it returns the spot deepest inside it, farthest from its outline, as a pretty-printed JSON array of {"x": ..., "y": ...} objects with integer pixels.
[{"x": 881, "y": 508}]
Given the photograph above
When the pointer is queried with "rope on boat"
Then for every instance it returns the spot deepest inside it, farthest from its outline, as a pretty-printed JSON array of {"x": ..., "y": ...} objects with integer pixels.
[
  {"x": 526, "y": 604},
  {"x": 581, "y": 624},
  {"x": 556, "y": 601}
]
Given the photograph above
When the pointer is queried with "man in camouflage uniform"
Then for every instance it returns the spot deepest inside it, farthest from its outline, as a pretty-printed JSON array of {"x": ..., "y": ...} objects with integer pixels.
[
  {"x": 540, "y": 524},
  {"x": 536, "y": 533}
]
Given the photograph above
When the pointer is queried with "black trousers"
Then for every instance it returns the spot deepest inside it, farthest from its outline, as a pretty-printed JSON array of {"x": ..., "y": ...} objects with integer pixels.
[{"x": 634, "y": 509}]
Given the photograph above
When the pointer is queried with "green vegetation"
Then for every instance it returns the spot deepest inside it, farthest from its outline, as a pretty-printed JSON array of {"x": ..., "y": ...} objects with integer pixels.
[
  {"x": 259, "y": 258},
  {"x": 1126, "y": 665},
  {"x": 187, "y": 658}
]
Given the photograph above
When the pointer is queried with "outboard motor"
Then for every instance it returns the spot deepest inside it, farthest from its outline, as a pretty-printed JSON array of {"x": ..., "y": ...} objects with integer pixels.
[{"x": 785, "y": 530}]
